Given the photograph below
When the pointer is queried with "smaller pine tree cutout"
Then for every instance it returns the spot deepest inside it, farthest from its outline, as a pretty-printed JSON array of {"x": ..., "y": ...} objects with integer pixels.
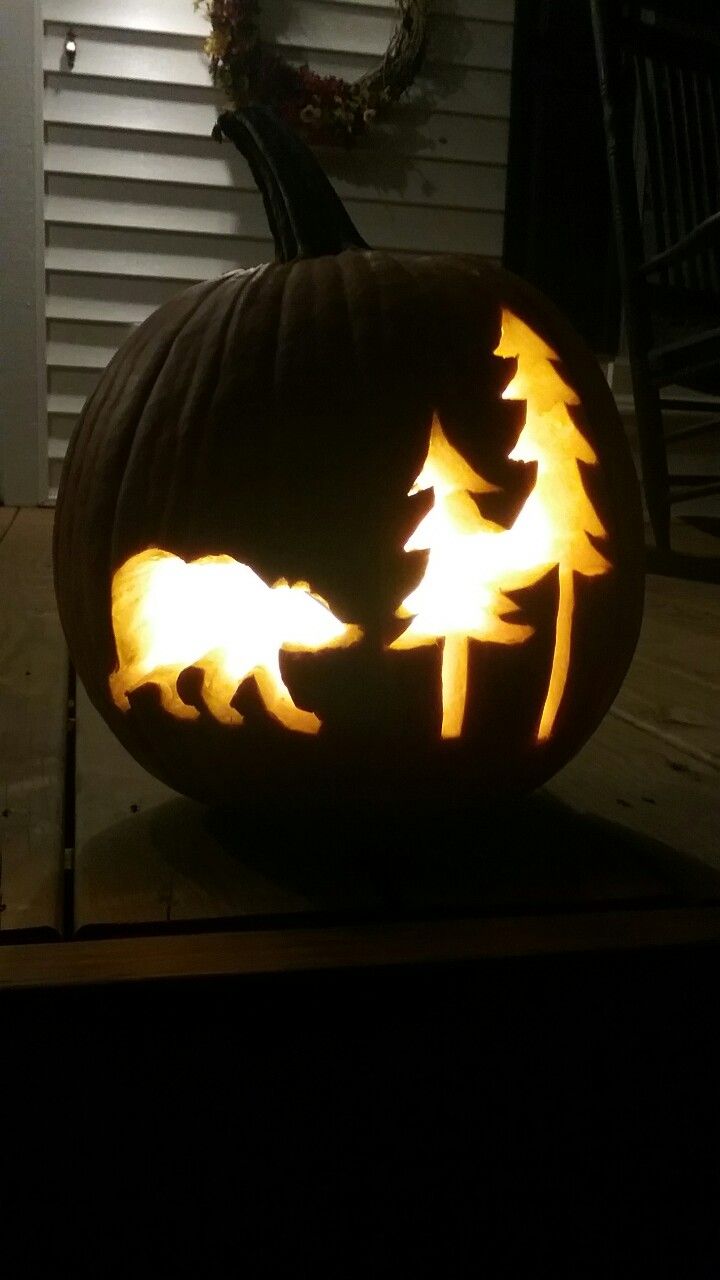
[
  {"x": 457, "y": 599},
  {"x": 558, "y": 519}
]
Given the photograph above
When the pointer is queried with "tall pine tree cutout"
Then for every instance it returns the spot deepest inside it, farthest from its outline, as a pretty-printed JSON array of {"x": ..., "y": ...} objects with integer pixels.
[
  {"x": 457, "y": 600},
  {"x": 557, "y": 518}
]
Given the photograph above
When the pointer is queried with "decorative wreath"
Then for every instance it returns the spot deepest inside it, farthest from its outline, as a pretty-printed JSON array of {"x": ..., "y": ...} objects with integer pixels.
[{"x": 322, "y": 108}]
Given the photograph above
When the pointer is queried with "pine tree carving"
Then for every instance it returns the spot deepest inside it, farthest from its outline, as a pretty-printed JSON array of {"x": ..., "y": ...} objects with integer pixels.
[
  {"x": 456, "y": 601},
  {"x": 558, "y": 519}
]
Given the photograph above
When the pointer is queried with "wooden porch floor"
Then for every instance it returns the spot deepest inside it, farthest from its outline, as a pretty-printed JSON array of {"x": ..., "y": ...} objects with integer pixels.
[{"x": 128, "y": 880}]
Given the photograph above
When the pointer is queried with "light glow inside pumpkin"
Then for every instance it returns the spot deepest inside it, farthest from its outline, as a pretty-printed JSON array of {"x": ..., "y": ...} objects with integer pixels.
[
  {"x": 472, "y": 561},
  {"x": 459, "y": 597},
  {"x": 220, "y": 616}
]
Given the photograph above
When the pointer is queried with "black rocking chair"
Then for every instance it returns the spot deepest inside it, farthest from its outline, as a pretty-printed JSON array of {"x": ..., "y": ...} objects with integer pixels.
[{"x": 660, "y": 88}]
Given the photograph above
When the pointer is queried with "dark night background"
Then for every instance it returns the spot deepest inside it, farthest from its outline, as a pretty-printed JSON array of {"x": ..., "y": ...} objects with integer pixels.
[
  {"x": 558, "y": 227},
  {"x": 554, "y": 1116}
]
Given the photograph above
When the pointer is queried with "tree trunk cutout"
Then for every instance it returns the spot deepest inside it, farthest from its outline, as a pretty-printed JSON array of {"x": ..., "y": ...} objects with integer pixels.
[
  {"x": 458, "y": 598},
  {"x": 558, "y": 518}
]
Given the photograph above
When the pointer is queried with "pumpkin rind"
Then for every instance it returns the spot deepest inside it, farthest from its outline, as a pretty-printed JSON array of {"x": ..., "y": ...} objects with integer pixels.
[{"x": 280, "y": 416}]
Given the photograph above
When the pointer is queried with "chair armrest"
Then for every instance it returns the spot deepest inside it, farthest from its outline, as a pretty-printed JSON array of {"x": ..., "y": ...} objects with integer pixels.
[{"x": 708, "y": 230}]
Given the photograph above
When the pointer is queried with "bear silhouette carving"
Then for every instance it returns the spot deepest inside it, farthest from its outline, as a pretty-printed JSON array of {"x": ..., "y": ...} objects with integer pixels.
[{"x": 220, "y": 616}]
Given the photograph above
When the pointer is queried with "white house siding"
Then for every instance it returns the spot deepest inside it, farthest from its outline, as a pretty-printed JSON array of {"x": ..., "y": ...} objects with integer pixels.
[{"x": 139, "y": 202}]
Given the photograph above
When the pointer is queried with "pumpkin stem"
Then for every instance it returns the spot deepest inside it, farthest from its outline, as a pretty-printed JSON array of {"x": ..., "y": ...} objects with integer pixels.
[{"x": 306, "y": 217}]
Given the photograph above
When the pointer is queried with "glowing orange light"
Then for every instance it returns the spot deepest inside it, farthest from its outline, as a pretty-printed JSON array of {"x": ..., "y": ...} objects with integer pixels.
[
  {"x": 218, "y": 615},
  {"x": 472, "y": 561},
  {"x": 458, "y": 598},
  {"x": 558, "y": 515}
]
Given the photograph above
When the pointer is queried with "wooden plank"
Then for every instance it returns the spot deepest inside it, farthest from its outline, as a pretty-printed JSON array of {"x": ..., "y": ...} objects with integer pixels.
[
  {"x": 182, "y": 64},
  {"x": 682, "y": 620},
  {"x": 99, "y": 310},
  {"x": 441, "y": 86},
  {"x": 69, "y": 355},
  {"x": 145, "y": 856},
  {"x": 55, "y": 467},
  {"x": 95, "y": 103},
  {"x": 678, "y": 708},
  {"x": 33, "y": 708},
  {"x": 174, "y": 17},
  {"x": 490, "y": 10},
  {"x": 57, "y": 445},
  {"x": 7, "y": 515},
  {"x": 193, "y": 162},
  {"x": 61, "y": 431},
  {"x": 243, "y": 215},
  {"x": 113, "y": 300},
  {"x": 23, "y": 459},
  {"x": 688, "y": 540},
  {"x": 674, "y": 690},
  {"x": 170, "y": 270},
  {"x": 465, "y": 138},
  {"x": 65, "y": 406},
  {"x": 74, "y": 382},
  {"x": 149, "y": 858},
  {"x": 149, "y": 265},
  {"x": 122, "y": 55},
  {"x": 190, "y": 252},
  {"x": 470, "y": 91},
  {"x": 91, "y": 333},
  {"x": 654, "y": 762},
  {"x": 111, "y": 251},
  {"x": 309, "y": 950},
  {"x": 223, "y": 210},
  {"x": 313, "y": 25},
  {"x": 679, "y": 606},
  {"x": 647, "y": 785}
]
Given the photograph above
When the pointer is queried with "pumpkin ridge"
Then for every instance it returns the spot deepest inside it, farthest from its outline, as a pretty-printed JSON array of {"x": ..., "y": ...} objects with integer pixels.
[
  {"x": 204, "y": 377},
  {"x": 93, "y": 411},
  {"x": 144, "y": 435},
  {"x": 214, "y": 424},
  {"x": 291, "y": 280},
  {"x": 83, "y": 465},
  {"x": 138, "y": 733},
  {"x": 85, "y": 535}
]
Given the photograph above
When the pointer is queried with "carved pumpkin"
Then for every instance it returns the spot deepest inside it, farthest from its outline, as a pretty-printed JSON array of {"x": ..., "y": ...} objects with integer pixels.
[{"x": 349, "y": 522}]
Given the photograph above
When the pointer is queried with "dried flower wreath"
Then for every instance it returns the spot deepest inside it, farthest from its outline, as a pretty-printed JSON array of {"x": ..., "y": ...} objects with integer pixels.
[{"x": 324, "y": 109}]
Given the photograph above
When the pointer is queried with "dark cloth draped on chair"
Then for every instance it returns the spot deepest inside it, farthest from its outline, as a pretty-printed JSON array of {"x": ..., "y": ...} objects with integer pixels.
[{"x": 660, "y": 86}]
